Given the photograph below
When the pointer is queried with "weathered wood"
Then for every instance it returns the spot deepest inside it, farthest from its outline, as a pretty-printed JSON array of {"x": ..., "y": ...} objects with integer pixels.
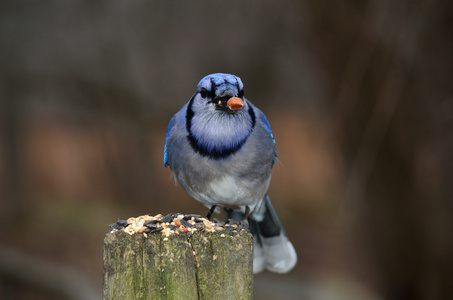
[
  {"x": 224, "y": 265},
  {"x": 206, "y": 265}
]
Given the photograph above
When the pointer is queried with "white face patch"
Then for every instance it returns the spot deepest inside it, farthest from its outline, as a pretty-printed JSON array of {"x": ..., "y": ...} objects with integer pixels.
[{"x": 215, "y": 129}]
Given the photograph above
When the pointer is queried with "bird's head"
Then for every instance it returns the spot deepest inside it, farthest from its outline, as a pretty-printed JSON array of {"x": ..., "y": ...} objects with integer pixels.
[
  {"x": 222, "y": 92},
  {"x": 218, "y": 118}
]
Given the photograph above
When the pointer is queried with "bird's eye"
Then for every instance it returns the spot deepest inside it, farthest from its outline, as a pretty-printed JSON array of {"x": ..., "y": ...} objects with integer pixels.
[
  {"x": 203, "y": 93},
  {"x": 241, "y": 94}
]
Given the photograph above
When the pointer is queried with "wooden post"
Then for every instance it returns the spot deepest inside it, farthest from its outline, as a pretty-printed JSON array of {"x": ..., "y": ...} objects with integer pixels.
[{"x": 198, "y": 265}]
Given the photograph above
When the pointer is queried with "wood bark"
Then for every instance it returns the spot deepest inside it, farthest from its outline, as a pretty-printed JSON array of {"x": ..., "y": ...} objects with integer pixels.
[{"x": 204, "y": 265}]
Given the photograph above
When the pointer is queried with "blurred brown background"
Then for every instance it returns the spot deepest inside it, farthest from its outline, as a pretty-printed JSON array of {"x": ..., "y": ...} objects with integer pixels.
[{"x": 358, "y": 94}]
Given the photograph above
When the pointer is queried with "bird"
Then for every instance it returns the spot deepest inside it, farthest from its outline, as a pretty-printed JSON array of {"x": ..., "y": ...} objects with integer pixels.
[{"x": 221, "y": 150}]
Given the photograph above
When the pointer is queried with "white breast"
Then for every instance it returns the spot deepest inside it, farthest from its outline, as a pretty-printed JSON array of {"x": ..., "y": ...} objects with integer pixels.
[{"x": 229, "y": 191}]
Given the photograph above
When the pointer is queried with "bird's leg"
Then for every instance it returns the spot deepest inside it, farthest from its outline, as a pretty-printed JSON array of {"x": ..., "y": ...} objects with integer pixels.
[
  {"x": 245, "y": 221},
  {"x": 211, "y": 211},
  {"x": 247, "y": 212},
  {"x": 228, "y": 213}
]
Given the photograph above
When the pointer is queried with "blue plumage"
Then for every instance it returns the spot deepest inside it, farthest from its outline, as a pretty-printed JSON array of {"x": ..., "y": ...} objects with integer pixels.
[
  {"x": 167, "y": 135},
  {"x": 221, "y": 149}
]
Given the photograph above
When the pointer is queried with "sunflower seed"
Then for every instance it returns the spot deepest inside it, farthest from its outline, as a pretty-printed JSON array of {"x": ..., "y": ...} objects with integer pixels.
[
  {"x": 167, "y": 219},
  {"x": 185, "y": 223}
]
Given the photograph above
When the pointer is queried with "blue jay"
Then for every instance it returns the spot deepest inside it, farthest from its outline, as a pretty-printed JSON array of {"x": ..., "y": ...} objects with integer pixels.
[{"x": 221, "y": 150}]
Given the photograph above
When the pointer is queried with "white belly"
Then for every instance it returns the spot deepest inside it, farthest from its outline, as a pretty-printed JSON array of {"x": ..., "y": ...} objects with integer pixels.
[{"x": 228, "y": 191}]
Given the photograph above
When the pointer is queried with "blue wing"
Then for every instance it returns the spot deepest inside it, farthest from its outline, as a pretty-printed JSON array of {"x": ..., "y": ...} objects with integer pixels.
[
  {"x": 266, "y": 125},
  {"x": 167, "y": 135}
]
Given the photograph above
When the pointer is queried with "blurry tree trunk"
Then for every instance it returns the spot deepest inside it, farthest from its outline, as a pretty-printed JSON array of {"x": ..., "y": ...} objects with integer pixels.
[
  {"x": 215, "y": 265},
  {"x": 404, "y": 227},
  {"x": 11, "y": 138}
]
